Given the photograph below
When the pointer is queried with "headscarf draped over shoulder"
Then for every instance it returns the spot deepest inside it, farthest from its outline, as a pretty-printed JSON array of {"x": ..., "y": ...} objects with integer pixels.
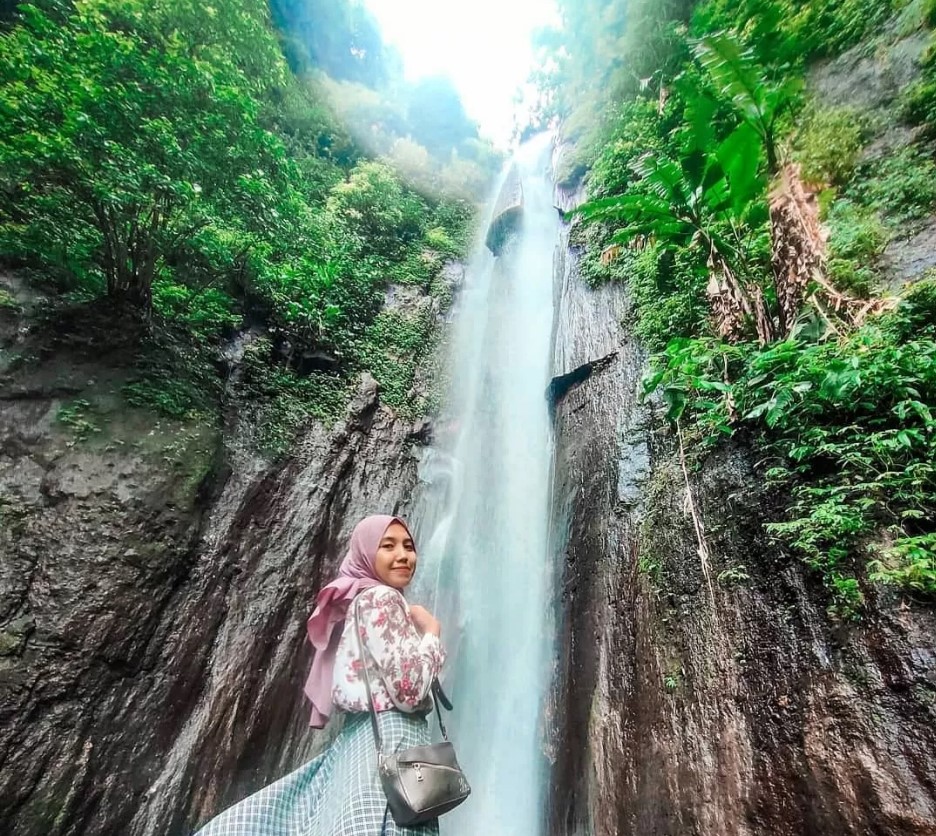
[{"x": 357, "y": 573}]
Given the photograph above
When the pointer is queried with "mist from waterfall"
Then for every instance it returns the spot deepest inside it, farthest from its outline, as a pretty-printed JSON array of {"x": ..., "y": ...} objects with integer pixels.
[{"x": 482, "y": 519}]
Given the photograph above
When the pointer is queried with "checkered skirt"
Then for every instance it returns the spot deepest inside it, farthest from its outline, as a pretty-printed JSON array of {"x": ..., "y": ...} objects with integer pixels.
[{"x": 336, "y": 794}]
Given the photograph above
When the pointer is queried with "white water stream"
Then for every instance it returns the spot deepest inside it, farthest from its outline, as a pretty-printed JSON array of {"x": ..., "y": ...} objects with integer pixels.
[{"x": 483, "y": 521}]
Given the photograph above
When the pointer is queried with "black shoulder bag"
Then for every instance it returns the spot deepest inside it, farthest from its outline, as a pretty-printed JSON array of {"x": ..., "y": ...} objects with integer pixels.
[{"x": 423, "y": 782}]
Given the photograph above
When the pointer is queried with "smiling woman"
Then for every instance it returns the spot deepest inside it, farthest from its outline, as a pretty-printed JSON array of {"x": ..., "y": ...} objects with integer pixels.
[
  {"x": 396, "y": 649},
  {"x": 396, "y": 557}
]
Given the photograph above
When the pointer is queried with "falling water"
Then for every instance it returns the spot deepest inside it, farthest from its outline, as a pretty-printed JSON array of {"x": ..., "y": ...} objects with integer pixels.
[{"x": 483, "y": 519}]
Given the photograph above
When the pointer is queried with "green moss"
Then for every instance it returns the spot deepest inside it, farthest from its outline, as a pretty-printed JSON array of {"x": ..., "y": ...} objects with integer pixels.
[
  {"x": 277, "y": 401},
  {"x": 396, "y": 345},
  {"x": 193, "y": 454},
  {"x": 828, "y": 144},
  {"x": 673, "y": 679},
  {"x": 857, "y": 236},
  {"x": 10, "y": 643},
  {"x": 918, "y": 102},
  {"x": 7, "y": 301},
  {"x": 900, "y": 187},
  {"x": 78, "y": 416},
  {"x": 175, "y": 376}
]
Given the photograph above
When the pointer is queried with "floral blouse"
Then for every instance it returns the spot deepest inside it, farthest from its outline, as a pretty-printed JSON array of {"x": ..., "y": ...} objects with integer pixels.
[{"x": 401, "y": 663}]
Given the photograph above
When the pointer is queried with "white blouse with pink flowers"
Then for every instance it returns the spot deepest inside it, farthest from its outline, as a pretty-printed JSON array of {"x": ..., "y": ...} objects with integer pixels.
[{"x": 401, "y": 663}]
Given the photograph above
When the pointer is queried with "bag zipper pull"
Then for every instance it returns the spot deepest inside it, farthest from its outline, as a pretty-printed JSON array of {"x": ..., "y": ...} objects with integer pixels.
[{"x": 418, "y": 768}]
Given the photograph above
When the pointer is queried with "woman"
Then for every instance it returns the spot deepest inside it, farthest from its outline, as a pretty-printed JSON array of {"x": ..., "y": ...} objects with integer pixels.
[{"x": 339, "y": 793}]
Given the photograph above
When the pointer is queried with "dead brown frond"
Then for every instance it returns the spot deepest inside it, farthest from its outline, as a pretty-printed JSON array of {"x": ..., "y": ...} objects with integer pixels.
[
  {"x": 733, "y": 304},
  {"x": 797, "y": 242},
  {"x": 610, "y": 253},
  {"x": 850, "y": 310}
]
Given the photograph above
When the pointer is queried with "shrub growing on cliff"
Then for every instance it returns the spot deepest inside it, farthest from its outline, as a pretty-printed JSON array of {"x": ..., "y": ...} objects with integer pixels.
[
  {"x": 850, "y": 425},
  {"x": 828, "y": 143}
]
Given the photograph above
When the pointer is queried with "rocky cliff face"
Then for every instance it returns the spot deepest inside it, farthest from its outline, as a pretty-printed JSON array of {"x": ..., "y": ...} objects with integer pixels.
[
  {"x": 154, "y": 582},
  {"x": 701, "y": 687}
]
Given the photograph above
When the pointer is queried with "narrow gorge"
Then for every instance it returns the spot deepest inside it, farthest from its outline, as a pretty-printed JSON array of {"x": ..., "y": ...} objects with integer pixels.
[{"x": 656, "y": 395}]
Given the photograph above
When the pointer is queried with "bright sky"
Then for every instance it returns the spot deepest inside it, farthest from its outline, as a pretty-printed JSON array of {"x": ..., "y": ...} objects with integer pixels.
[{"x": 482, "y": 45}]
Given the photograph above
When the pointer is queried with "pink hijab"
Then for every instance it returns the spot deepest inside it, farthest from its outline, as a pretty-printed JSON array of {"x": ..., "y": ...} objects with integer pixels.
[{"x": 325, "y": 625}]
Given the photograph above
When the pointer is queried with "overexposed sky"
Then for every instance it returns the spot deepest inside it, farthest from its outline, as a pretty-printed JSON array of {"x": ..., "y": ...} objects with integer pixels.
[{"x": 482, "y": 45}]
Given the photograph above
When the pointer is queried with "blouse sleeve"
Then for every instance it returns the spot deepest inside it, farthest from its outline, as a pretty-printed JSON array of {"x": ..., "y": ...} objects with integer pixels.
[{"x": 406, "y": 661}]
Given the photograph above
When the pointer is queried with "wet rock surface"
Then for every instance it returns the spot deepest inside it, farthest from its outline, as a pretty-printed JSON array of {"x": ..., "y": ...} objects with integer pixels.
[
  {"x": 908, "y": 259},
  {"x": 871, "y": 76},
  {"x": 714, "y": 698},
  {"x": 508, "y": 211},
  {"x": 155, "y": 577}
]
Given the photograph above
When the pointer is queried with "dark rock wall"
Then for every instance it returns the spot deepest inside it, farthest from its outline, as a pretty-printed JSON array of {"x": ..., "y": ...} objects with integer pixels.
[
  {"x": 715, "y": 699},
  {"x": 154, "y": 583}
]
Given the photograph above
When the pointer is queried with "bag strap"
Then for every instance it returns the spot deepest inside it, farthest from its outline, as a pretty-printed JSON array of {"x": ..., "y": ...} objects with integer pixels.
[
  {"x": 378, "y": 740},
  {"x": 438, "y": 695}
]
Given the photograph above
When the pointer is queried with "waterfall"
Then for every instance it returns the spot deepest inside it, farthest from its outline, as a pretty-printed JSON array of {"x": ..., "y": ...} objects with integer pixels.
[{"x": 482, "y": 519}]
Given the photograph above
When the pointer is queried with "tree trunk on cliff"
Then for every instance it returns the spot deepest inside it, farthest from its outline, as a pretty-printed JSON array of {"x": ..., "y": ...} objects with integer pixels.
[
  {"x": 797, "y": 243},
  {"x": 733, "y": 305}
]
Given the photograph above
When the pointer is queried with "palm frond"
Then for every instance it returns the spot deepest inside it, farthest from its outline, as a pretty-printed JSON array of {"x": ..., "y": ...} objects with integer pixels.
[
  {"x": 740, "y": 155},
  {"x": 736, "y": 75}
]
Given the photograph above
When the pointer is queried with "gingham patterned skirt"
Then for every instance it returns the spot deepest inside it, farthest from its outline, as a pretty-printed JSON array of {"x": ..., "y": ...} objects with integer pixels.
[{"x": 336, "y": 794}]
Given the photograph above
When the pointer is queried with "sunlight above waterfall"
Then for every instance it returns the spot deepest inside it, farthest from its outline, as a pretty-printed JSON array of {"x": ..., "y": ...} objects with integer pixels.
[{"x": 483, "y": 46}]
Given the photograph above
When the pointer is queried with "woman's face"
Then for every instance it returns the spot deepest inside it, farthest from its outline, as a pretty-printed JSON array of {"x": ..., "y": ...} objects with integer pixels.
[{"x": 396, "y": 557}]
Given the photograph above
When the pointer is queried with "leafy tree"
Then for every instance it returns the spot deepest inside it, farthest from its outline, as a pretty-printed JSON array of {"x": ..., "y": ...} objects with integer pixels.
[
  {"x": 126, "y": 135},
  {"x": 374, "y": 208},
  {"x": 679, "y": 204}
]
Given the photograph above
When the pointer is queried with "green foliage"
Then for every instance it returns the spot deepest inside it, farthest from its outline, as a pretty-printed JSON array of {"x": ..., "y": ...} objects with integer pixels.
[
  {"x": 205, "y": 311},
  {"x": 901, "y": 186},
  {"x": 280, "y": 402},
  {"x": 673, "y": 679},
  {"x": 133, "y": 132},
  {"x": 856, "y": 238},
  {"x": 395, "y": 347},
  {"x": 850, "y": 426},
  {"x": 651, "y": 566},
  {"x": 640, "y": 128},
  {"x": 693, "y": 373},
  {"x": 828, "y": 144},
  {"x": 733, "y": 576},
  {"x": 737, "y": 77},
  {"x": 77, "y": 415},
  {"x": 919, "y": 100},
  {"x": 8, "y": 301},
  {"x": 908, "y": 564},
  {"x": 175, "y": 376},
  {"x": 376, "y": 211},
  {"x": 703, "y": 194},
  {"x": 605, "y": 50},
  {"x": 667, "y": 289},
  {"x": 792, "y": 31},
  {"x": 161, "y": 152}
]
